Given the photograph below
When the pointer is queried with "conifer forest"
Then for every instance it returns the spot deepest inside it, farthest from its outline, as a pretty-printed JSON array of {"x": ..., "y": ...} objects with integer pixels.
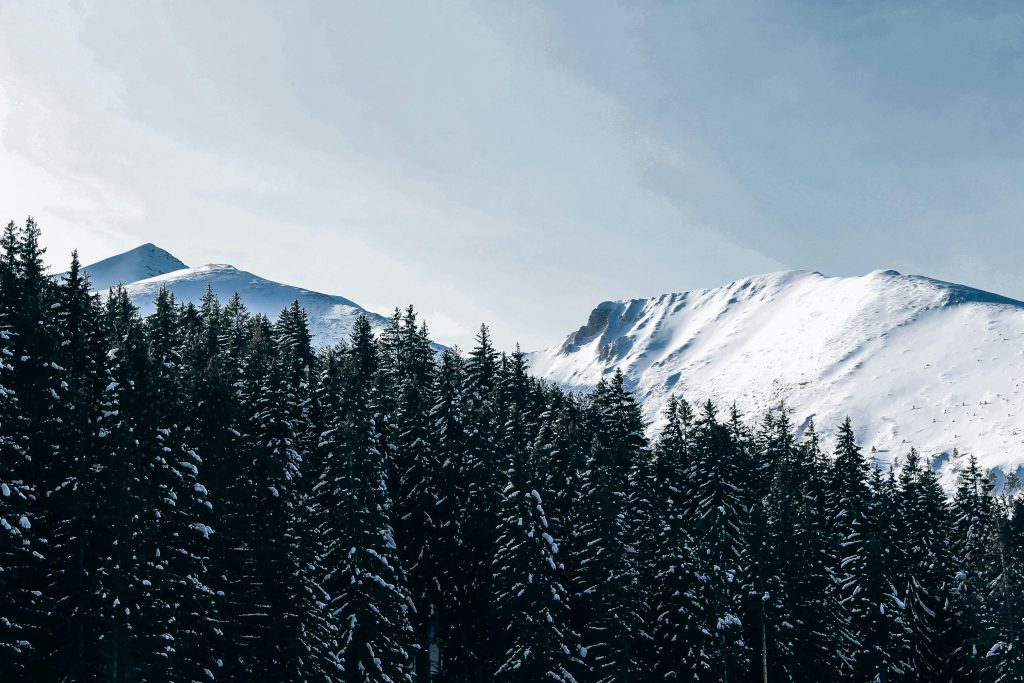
[{"x": 202, "y": 495}]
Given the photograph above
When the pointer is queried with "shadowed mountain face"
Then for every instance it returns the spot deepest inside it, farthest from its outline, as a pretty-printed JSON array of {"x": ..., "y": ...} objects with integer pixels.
[{"x": 914, "y": 361}]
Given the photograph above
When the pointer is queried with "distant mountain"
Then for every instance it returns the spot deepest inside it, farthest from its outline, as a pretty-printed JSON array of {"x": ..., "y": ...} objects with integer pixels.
[
  {"x": 330, "y": 317},
  {"x": 139, "y": 263},
  {"x": 913, "y": 361}
]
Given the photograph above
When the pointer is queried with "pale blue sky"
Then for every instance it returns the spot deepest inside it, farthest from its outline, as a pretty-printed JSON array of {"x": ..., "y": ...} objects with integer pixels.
[{"x": 518, "y": 163}]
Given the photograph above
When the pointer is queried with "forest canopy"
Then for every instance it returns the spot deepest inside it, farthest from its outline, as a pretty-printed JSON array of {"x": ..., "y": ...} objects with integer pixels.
[{"x": 202, "y": 495}]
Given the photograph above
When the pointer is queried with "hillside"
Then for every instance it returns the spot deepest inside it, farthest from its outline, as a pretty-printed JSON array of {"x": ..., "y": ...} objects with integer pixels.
[
  {"x": 913, "y": 361},
  {"x": 330, "y": 316}
]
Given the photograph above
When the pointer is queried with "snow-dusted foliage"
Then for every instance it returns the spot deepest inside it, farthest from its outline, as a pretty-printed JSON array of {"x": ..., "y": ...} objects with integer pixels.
[
  {"x": 534, "y": 637},
  {"x": 146, "y": 270},
  {"x": 203, "y": 494}
]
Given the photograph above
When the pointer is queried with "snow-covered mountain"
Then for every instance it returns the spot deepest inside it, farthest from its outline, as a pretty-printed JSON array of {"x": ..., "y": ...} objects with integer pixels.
[
  {"x": 330, "y": 317},
  {"x": 139, "y": 263},
  {"x": 913, "y": 361}
]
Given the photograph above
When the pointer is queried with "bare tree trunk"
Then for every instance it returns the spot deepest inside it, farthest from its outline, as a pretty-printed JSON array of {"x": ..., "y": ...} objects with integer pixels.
[{"x": 764, "y": 652}]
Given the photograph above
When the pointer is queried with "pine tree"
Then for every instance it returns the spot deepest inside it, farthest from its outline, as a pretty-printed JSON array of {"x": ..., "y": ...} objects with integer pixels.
[
  {"x": 22, "y": 614},
  {"x": 203, "y": 496},
  {"x": 812, "y": 562},
  {"x": 288, "y": 640},
  {"x": 681, "y": 645},
  {"x": 608, "y": 581},
  {"x": 563, "y": 462},
  {"x": 310, "y": 636},
  {"x": 530, "y": 601},
  {"x": 479, "y": 513},
  {"x": 214, "y": 343},
  {"x": 767, "y": 619},
  {"x": 124, "y": 537},
  {"x": 18, "y": 609},
  {"x": 370, "y": 602},
  {"x": 848, "y": 500},
  {"x": 926, "y": 568},
  {"x": 186, "y": 627},
  {"x": 259, "y": 516},
  {"x": 1005, "y": 659},
  {"x": 773, "y": 522},
  {"x": 450, "y": 443},
  {"x": 414, "y": 474},
  {"x": 718, "y": 522},
  {"x": 35, "y": 380},
  {"x": 73, "y": 495},
  {"x": 973, "y": 533},
  {"x": 562, "y": 450},
  {"x": 878, "y": 612}
]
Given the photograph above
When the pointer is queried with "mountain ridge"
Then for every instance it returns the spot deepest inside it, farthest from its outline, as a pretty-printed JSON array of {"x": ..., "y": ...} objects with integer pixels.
[
  {"x": 330, "y": 316},
  {"x": 915, "y": 361},
  {"x": 873, "y": 346}
]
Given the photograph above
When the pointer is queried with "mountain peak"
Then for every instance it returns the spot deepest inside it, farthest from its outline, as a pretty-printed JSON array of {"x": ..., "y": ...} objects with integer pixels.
[
  {"x": 912, "y": 360},
  {"x": 330, "y": 317},
  {"x": 143, "y": 262},
  {"x": 885, "y": 272}
]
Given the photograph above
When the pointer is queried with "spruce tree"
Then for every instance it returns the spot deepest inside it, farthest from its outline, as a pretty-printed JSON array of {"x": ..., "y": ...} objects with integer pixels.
[
  {"x": 718, "y": 521},
  {"x": 124, "y": 539},
  {"x": 878, "y": 613},
  {"x": 187, "y": 626},
  {"x": 849, "y": 498},
  {"x": 17, "y": 612},
  {"x": 73, "y": 494},
  {"x": 564, "y": 461},
  {"x": 370, "y": 603},
  {"x": 202, "y": 495},
  {"x": 973, "y": 530},
  {"x": 450, "y": 443},
  {"x": 531, "y": 604},
  {"x": 608, "y": 579},
  {"x": 682, "y": 647},
  {"x": 479, "y": 513},
  {"x": 415, "y": 476},
  {"x": 926, "y": 572},
  {"x": 766, "y": 599},
  {"x": 214, "y": 342},
  {"x": 822, "y": 634},
  {"x": 22, "y": 613},
  {"x": 260, "y": 515},
  {"x": 35, "y": 380},
  {"x": 1005, "y": 658},
  {"x": 287, "y": 639},
  {"x": 772, "y": 523},
  {"x": 310, "y": 634}
]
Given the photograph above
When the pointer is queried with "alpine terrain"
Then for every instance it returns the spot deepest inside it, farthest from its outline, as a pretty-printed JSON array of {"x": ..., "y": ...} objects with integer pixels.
[
  {"x": 200, "y": 494},
  {"x": 912, "y": 360},
  {"x": 145, "y": 270},
  {"x": 142, "y": 262}
]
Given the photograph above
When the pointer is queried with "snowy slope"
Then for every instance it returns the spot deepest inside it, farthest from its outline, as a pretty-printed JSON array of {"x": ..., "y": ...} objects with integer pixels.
[
  {"x": 140, "y": 263},
  {"x": 330, "y": 317},
  {"x": 913, "y": 361}
]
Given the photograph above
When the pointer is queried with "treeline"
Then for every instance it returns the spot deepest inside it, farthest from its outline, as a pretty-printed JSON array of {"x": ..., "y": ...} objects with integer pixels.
[{"x": 201, "y": 495}]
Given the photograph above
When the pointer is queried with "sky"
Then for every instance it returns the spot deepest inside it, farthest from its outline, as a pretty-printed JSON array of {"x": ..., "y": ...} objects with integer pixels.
[{"x": 518, "y": 163}]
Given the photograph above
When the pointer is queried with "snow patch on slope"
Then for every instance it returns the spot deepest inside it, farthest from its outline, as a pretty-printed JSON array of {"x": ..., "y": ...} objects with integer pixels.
[{"x": 914, "y": 361}]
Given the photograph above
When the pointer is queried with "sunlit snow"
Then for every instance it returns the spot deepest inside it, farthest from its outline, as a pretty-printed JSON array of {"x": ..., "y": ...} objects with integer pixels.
[{"x": 913, "y": 361}]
